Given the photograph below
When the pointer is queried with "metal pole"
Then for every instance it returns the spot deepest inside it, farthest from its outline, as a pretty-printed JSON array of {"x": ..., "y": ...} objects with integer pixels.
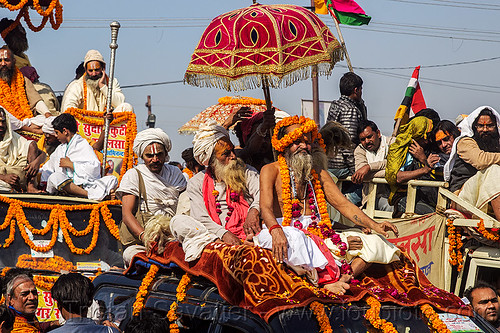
[
  {"x": 315, "y": 86},
  {"x": 113, "y": 46}
]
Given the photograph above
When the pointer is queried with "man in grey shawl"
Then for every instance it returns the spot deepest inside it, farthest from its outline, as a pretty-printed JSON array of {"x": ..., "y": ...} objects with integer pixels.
[{"x": 149, "y": 193}]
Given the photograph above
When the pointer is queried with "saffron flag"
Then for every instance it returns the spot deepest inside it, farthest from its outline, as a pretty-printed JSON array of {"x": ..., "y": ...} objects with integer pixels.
[
  {"x": 320, "y": 7},
  {"x": 413, "y": 99},
  {"x": 345, "y": 12}
]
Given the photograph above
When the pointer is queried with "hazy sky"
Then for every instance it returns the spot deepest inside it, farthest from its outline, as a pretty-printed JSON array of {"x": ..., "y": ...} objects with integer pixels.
[{"x": 158, "y": 37}]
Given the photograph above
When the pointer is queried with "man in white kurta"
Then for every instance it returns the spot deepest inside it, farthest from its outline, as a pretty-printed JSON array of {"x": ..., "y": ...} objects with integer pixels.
[
  {"x": 152, "y": 189},
  {"x": 95, "y": 82},
  {"x": 74, "y": 162},
  {"x": 20, "y": 159}
]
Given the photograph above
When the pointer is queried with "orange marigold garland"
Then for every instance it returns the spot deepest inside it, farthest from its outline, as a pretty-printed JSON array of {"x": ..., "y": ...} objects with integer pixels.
[
  {"x": 13, "y": 98},
  {"x": 188, "y": 172},
  {"x": 307, "y": 126},
  {"x": 180, "y": 297},
  {"x": 58, "y": 219},
  {"x": 373, "y": 316},
  {"x": 486, "y": 234},
  {"x": 55, "y": 264},
  {"x": 228, "y": 100},
  {"x": 319, "y": 311},
  {"x": 97, "y": 118},
  {"x": 455, "y": 245},
  {"x": 45, "y": 282},
  {"x": 143, "y": 290},
  {"x": 433, "y": 319}
]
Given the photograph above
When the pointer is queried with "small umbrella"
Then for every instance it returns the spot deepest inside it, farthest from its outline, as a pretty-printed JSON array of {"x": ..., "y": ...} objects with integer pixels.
[
  {"x": 221, "y": 111},
  {"x": 262, "y": 46}
]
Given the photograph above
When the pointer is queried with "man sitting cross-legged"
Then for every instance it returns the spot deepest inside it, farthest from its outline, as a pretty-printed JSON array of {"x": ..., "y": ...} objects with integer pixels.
[
  {"x": 73, "y": 167},
  {"x": 294, "y": 191}
]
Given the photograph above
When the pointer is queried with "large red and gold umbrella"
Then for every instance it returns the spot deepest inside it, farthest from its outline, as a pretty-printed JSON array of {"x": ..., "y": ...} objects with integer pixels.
[
  {"x": 222, "y": 110},
  {"x": 261, "y": 46}
]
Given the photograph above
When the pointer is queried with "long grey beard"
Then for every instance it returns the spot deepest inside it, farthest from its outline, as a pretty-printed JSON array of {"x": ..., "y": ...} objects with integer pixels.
[
  {"x": 301, "y": 164},
  {"x": 93, "y": 85},
  {"x": 232, "y": 174}
]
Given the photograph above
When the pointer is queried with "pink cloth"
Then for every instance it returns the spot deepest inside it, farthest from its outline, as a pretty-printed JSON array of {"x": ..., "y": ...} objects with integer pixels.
[
  {"x": 239, "y": 214},
  {"x": 331, "y": 273},
  {"x": 247, "y": 124},
  {"x": 348, "y": 6}
]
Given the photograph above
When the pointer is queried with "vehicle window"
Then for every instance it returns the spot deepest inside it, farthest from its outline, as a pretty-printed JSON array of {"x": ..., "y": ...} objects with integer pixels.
[{"x": 115, "y": 304}]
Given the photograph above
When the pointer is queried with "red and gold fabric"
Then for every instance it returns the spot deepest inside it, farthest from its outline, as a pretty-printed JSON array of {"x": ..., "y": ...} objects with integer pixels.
[
  {"x": 280, "y": 42},
  {"x": 249, "y": 277}
]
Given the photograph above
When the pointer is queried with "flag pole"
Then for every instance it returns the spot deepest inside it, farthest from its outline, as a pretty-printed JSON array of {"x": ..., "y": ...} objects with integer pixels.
[{"x": 341, "y": 39}]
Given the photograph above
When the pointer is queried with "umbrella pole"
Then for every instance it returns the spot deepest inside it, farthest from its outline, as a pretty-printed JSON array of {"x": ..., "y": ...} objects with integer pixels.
[
  {"x": 269, "y": 105},
  {"x": 342, "y": 43}
]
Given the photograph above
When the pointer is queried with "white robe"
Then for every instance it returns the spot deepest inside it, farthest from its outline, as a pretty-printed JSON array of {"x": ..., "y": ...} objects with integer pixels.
[
  {"x": 162, "y": 190},
  {"x": 303, "y": 251},
  {"x": 87, "y": 170},
  {"x": 73, "y": 97}
]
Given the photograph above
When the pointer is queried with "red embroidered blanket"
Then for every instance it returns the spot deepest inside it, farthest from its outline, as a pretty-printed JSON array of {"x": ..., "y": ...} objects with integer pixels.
[{"x": 249, "y": 277}]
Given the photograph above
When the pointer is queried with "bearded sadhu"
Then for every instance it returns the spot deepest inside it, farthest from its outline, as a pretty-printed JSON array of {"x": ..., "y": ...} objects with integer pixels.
[
  {"x": 224, "y": 197},
  {"x": 90, "y": 91},
  {"x": 294, "y": 192}
]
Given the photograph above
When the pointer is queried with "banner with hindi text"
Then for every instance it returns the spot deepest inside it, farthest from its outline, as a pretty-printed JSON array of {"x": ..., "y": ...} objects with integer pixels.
[{"x": 423, "y": 239}]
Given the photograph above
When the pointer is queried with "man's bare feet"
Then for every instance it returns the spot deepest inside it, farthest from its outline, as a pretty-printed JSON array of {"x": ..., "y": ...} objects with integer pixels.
[
  {"x": 338, "y": 288},
  {"x": 30, "y": 188},
  {"x": 345, "y": 278}
]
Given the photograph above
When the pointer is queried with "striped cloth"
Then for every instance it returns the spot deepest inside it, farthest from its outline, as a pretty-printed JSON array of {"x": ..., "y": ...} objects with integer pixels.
[{"x": 348, "y": 113}]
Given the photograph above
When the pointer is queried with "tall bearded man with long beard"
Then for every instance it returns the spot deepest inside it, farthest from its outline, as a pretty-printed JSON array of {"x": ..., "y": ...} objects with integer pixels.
[
  {"x": 224, "y": 197},
  {"x": 90, "y": 92},
  {"x": 294, "y": 191}
]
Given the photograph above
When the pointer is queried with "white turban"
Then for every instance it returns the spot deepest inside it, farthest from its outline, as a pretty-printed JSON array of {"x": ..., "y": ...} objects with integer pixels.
[
  {"x": 93, "y": 55},
  {"x": 47, "y": 126},
  {"x": 205, "y": 139},
  {"x": 149, "y": 136}
]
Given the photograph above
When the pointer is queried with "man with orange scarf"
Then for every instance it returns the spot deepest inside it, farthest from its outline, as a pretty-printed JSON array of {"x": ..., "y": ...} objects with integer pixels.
[
  {"x": 294, "y": 192},
  {"x": 21, "y": 297},
  {"x": 224, "y": 198}
]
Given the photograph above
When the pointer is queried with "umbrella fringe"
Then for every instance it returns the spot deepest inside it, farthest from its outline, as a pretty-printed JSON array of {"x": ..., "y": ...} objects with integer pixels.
[{"x": 253, "y": 81}]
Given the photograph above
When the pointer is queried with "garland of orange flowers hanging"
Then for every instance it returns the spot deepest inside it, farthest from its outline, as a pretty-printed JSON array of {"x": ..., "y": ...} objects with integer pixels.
[
  {"x": 96, "y": 118},
  {"x": 143, "y": 290},
  {"x": 52, "y": 13},
  {"x": 455, "y": 245},
  {"x": 188, "y": 172},
  {"x": 13, "y": 98},
  {"x": 180, "y": 297},
  {"x": 57, "y": 219},
  {"x": 306, "y": 126},
  {"x": 373, "y": 316},
  {"x": 55, "y": 264},
  {"x": 229, "y": 100},
  {"x": 44, "y": 282},
  {"x": 433, "y": 319},
  {"x": 323, "y": 321},
  {"x": 486, "y": 234}
]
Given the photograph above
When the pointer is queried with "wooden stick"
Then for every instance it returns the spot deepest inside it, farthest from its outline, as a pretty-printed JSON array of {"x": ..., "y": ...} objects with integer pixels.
[{"x": 342, "y": 43}]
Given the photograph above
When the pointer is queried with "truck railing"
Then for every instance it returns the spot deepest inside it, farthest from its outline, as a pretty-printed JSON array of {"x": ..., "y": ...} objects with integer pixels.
[{"x": 411, "y": 195}]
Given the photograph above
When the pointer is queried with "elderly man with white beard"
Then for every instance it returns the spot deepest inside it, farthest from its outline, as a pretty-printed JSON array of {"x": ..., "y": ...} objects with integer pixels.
[
  {"x": 149, "y": 193},
  {"x": 90, "y": 92},
  {"x": 294, "y": 192},
  {"x": 224, "y": 197}
]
